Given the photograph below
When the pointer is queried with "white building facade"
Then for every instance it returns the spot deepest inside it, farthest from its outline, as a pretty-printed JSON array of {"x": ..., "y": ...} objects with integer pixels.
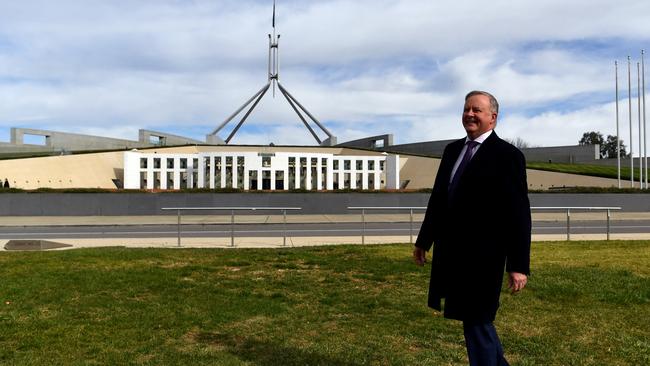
[{"x": 260, "y": 171}]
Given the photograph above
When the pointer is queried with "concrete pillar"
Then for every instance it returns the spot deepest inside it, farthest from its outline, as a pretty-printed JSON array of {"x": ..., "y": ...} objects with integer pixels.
[
  {"x": 330, "y": 174},
  {"x": 308, "y": 174},
  {"x": 201, "y": 170},
  {"x": 150, "y": 172},
  {"x": 212, "y": 172},
  {"x": 177, "y": 173},
  {"x": 223, "y": 171},
  {"x": 297, "y": 168},
  {"x": 392, "y": 171}
]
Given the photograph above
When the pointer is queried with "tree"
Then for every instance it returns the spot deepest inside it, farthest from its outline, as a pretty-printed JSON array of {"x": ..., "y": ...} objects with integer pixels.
[
  {"x": 591, "y": 138},
  {"x": 518, "y": 142},
  {"x": 607, "y": 147}
]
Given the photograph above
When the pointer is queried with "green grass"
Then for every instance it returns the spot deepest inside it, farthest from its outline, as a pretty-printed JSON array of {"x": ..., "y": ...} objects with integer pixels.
[
  {"x": 587, "y": 303},
  {"x": 585, "y": 169}
]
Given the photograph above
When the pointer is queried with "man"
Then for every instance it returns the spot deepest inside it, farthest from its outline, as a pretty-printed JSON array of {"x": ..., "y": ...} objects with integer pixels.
[{"x": 479, "y": 219}]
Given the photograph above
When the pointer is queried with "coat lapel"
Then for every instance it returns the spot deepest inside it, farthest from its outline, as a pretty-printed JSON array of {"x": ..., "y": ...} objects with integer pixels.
[
  {"x": 448, "y": 164},
  {"x": 482, "y": 153}
]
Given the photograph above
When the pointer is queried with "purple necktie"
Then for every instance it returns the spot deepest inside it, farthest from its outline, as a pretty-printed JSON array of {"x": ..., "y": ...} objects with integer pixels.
[{"x": 463, "y": 164}]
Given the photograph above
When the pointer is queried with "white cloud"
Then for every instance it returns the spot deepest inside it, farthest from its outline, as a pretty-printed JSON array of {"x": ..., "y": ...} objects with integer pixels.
[{"x": 362, "y": 67}]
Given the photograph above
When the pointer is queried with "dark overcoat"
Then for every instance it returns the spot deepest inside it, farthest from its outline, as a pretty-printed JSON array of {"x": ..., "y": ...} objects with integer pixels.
[{"x": 476, "y": 232}]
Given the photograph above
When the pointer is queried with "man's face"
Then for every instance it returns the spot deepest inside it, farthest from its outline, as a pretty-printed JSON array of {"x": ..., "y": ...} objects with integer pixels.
[{"x": 478, "y": 118}]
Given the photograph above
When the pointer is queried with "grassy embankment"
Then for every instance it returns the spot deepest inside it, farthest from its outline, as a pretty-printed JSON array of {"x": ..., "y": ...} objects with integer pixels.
[
  {"x": 585, "y": 169},
  {"x": 588, "y": 303}
]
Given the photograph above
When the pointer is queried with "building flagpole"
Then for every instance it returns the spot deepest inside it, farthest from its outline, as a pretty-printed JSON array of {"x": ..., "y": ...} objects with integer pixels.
[
  {"x": 618, "y": 134},
  {"x": 645, "y": 132},
  {"x": 629, "y": 114},
  {"x": 638, "y": 100}
]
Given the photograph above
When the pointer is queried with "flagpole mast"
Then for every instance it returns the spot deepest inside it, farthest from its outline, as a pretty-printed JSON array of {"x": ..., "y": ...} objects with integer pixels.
[
  {"x": 618, "y": 134},
  {"x": 645, "y": 131},
  {"x": 629, "y": 114},
  {"x": 638, "y": 100}
]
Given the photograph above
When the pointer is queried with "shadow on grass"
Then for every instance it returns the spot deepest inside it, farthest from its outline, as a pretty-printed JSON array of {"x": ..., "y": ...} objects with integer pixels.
[{"x": 266, "y": 353}]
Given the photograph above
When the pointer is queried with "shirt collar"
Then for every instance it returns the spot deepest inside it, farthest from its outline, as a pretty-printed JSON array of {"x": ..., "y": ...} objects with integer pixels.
[{"x": 481, "y": 138}]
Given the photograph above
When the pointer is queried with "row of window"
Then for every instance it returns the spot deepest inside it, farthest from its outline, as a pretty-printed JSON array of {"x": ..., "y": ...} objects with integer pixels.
[{"x": 266, "y": 163}]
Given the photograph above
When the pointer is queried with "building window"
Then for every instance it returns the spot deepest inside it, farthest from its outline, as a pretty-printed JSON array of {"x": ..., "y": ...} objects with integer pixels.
[
  {"x": 170, "y": 180},
  {"x": 323, "y": 161},
  {"x": 266, "y": 179},
  {"x": 335, "y": 165},
  {"x": 347, "y": 164},
  {"x": 303, "y": 173},
  {"x": 279, "y": 179},
  {"x": 382, "y": 165},
  {"x": 252, "y": 179},
  {"x": 240, "y": 172},
  {"x": 229, "y": 171},
  {"x": 217, "y": 172},
  {"x": 292, "y": 162},
  {"x": 314, "y": 177},
  {"x": 292, "y": 176},
  {"x": 183, "y": 163},
  {"x": 359, "y": 180},
  {"x": 266, "y": 161},
  {"x": 314, "y": 161},
  {"x": 156, "y": 180},
  {"x": 359, "y": 164},
  {"x": 371, "y": 165},
  {"x": 143, "y": 180},
  {"x": 156, "y": 163},
  {"x": 170, "y": 163},
  {"x": 143, "y": 163}
]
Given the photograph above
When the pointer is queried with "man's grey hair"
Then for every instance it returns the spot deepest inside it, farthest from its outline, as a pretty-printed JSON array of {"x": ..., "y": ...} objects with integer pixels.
[{"x": 494, "y": 105}]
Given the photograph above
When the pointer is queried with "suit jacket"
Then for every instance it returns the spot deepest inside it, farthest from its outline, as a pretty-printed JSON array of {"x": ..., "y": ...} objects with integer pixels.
[{"x": 482, "y": 228}]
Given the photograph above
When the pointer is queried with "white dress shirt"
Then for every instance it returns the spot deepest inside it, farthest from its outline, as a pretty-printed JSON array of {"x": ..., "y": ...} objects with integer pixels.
[{"x": 480, "y": 140}]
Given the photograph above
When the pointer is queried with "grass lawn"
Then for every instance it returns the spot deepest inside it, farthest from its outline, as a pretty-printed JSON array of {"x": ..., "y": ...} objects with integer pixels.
[
  {"x": 585, "y": 169},
  {"x": 587, "y": 303}
]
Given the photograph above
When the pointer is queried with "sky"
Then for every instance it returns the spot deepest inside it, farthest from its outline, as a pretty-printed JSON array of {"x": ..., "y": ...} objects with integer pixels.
[{"x": 362, "y": 67}]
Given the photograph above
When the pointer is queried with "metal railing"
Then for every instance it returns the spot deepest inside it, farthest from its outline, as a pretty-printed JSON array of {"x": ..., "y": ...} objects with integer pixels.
[
  {"x": 232, "y": 217},
  {"x": 568, "y": 215},
  {"x": 363, "y": 218},
  {"x": 567, "y": 209}
]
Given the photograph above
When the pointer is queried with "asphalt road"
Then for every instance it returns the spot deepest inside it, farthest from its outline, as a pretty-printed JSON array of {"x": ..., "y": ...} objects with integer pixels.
[{"x": 278, "y": 230}]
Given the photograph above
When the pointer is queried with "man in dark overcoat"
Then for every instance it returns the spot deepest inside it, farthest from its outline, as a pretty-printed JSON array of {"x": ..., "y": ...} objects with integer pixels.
[{"x": 478, "y": 221}]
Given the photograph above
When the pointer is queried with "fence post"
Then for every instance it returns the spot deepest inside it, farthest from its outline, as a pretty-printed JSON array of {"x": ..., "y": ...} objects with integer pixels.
[
  {"x": 284, "y": 228},
  {"x": 608, "y": 215},
  {"x": 232, "y": 228},
  {"x": 411, "y": 227},
  {"x": 179, "y": 227},
  {"x": 363, "y": 226},
  {"x": 568, "y": 224}
]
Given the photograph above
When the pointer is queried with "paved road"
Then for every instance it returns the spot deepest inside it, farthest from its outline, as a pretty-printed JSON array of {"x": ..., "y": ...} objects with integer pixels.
[{"x": 293, "y": 230}]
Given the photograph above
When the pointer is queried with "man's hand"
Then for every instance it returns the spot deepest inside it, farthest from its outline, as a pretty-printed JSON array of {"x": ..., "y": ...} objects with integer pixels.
[
  {"x": 419, "y": 255},
  {"x": 516, "y": 281}
]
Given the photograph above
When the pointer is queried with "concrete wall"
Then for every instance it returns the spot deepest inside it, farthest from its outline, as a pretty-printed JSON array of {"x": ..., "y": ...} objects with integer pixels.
[
  {"x": 93, "y": 204},
  {"x": 98, "y": 204},
  {"x": 371, "y": 142},
  {"x": 61, "y": 142}
]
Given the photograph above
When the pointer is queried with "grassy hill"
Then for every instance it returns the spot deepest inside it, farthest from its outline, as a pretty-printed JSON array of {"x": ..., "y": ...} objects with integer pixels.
[{"x": 585, "y": 169}]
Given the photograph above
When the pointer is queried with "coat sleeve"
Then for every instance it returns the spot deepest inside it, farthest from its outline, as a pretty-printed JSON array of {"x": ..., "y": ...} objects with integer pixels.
[{"x": 518, "y": 242}]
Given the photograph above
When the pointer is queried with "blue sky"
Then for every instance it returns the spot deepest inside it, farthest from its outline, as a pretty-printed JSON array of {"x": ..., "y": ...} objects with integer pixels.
[{"x": 110, "y": 67}]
